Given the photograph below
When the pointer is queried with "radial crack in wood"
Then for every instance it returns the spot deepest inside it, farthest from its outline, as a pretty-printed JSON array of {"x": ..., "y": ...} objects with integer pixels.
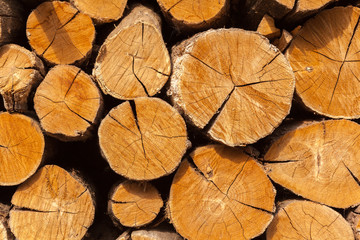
[
  {"x": 133, "y": 61},
  {"x": 59, "y": 33},
  {"x": 68, "y": 103},
  {"x": 134, "y": 204},
  {"x": 21, "y": 148},
  {"x": 144, "y": 142},
  {"x": 57, "y": 196},
  {"x": 101, "y": 11},
  {"x": 326, "y": 169},
  {"x": 232, "y": 83},
  {"x": 325, "y": 59},
  {"x": 228, "y": 196},
  {"x": 308, "y": 220},
  {"x": 20, "y": 72}
]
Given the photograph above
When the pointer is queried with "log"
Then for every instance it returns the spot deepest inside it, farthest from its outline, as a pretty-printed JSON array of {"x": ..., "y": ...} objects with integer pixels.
[
  {"x": 284, "y": 41},
  {"x": 68, "y": 103},
  {"x": 134, "y": 204},
  {"x": 53, "y": 204},
  {"x": 5, "y": 233},
  {"x": 225, "y": 195},
  {"x": 21, "y": 148},
  {"x": 231, "y": 83},
  {"x": 155, "y": 234},
  {"x": 11, "y": 21},
  {"x": 267, "y": 28},
  {"x": 20, "y": 72},
  {"x": 318, "y": 161},
  {"x": 188, "y": 15},
  {"x": 144, "y": 139},
  {"x": 59, "y": 33},
  {"x": 133, "y": 61},
  {"x": 354, "y": 219},
  {"x": 307, "y": 220},
  {"x": 326, "y": 64},
  {"x": 101, "y": 11}
]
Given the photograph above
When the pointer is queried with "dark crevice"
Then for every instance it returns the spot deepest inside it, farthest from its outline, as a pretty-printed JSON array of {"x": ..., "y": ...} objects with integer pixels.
[
  {"x": 2, "y": 146},
  {"x": 72, "y": 18},
  {"x": 72, "y": 83},
  {"x": 257, "y": 208},
  {"x": 89, "y": 122},
  {"x": 121, "y": 202},
  {"x": 138, "y": 79},
  {"x": 267, "y": 81},
  {"x": 52, "y": 41},
  {"x": 283, "y": 161},
  {"x": 118, "y": 122},
  {"x": 16, "y": 208},
  {"x": 167, "y": 75},
  {"x": 174, "y": 5},
  {"x": 133, "y": 108},
  {"x": 142, "y": 34},
  {"x": 268, "y": 63},
  {"x": 217, "y": 113},
  {"x": 326, "y": 56},
  {"x": 205, "y": 64},
  {"x": 352, "y": 174}
]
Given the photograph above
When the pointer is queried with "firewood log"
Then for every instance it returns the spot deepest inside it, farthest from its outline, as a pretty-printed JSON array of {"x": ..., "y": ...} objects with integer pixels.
[
  {"x": 134, "y": 204},
  {"x": 267, "y": 28},
  {"x": 354, "y": 219},
  {"x": 155, "y": 234},
  {"x": 144, "y": 139},
  {"x": 68, "y": 103},
  {"x": 53, "y": 204},
  {"x": 21, "y": 148},
  {"x": 324, "y": 57},
  {"x": 227, "y": 195},
  {"x": 11, "y": 21},
  {"x": 59, "y": 33},
  {"x": 307, "y": 220},
  {"x": 133, "y": 61},
  {"x": 5, "y": 233},
  {"x": 101, "y": 11},
  {"x": 190, "y": 15},
  {"x": 319, "y": 161},
  {"x": 231, "y": 83},
  {"x": 20, "y": 72}
]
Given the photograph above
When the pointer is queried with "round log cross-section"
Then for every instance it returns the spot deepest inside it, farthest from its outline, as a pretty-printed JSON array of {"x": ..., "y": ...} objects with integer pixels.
[
  {"x": 60, "y": 33},
  {"x": 326, "y": 61},
  {"x": 228, "y": 196},
  {"x": 232, "y": 83},
  {"x": 144, "y": 139}
]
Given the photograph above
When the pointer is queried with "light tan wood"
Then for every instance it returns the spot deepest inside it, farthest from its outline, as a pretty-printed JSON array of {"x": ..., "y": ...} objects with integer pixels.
[
  {"x": 227, "y": 196},
  {"x": 68, "y": 103},
  {"x": 308, "y": 220},
  {"x": 154, "y": 234},
  {"x": 267, "y": 28},
  {"x": 144, "y": 141},
  {"x": 133, "y": 61},
  {"x": 21, "y": 148},
  {"x": 283, "y": 42},
  {"x": 135, "y": 204},
  {"x": 319, "y": 161},
  {"x": 11, "y": 21},
  {"x": 53, "y": 204},
  {"x": 59, "y": 33},
  {"x": 20, "y": 72},
  {"x": 195, "y": 15},
  {"x": 354, "y": 219},
  {"x": 101, "y": 11},
  {"x": 326, "y": 64},
  {"x": 232, "y": 83}
]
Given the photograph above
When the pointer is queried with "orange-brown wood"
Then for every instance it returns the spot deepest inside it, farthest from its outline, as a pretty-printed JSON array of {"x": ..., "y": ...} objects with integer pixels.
[
  {"x": 53, "y": 204},
  {"x": 232, "y": 83},
  {"x": 225, "y": 195},
  {"x": 68, "y": 103},
  {"x": 133, "y": 61},
  {"x": 308, "y": 220},
  {"x": 21, "y": 148},
  {"x": 267, "y": 27},
  {"x": 155, "y": 234},
  {"x": 283, "y": 42},
  {"x": 195, "y": 15},
  {"x": 135, "y": 204},
  {"x": 20, "y": 72},
  {"x": 143, "y": 140},
  {"x": 101, "y": 11},
  {"x": 319, "y": 161},
  {"x": 324, "y": 58},
  {"x": 59, "y": 33},
  {"x": 11, "y": 21}
]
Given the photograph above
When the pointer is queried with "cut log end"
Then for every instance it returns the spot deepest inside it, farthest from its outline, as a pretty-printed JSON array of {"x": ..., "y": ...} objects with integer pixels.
[
  {"x": 308, "y": 220},
  {"x": 133, "y": 61},
  {"x": 143, "y": 140},
  {"x": 267, "y": 28},
  {"x": 135, "y": 204},
  {"x": 21, "y": 148},
  {"x": 59, "y": 33},
  {"x": 228, "y": 196},
  {"x": 68, "y": 103},
  {"x": 232, "y": 83},
  {"x": 20, "y": 72},
  {"x": 57, "y": 196}
]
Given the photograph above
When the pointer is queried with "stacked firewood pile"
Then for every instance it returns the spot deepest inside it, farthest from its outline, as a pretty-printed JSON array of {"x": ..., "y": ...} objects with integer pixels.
[{"x": 179, "y": 119}]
